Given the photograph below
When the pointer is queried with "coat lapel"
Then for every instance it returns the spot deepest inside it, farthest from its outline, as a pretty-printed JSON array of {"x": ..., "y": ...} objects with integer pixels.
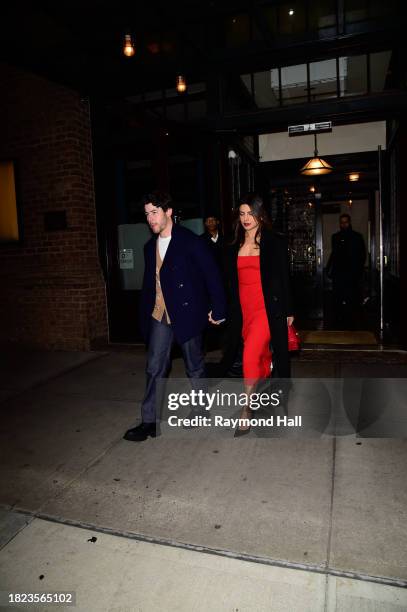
[
  {"x": 151, "y": 253},
  {"x": 234, "y": 280},
  {"x": 267, "y": 257}
]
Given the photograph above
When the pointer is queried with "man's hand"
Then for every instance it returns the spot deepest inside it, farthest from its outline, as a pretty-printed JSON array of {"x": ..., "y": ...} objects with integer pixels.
[
  {"x": 290, "y": 321},
  {"x": 212, "y": 321}
]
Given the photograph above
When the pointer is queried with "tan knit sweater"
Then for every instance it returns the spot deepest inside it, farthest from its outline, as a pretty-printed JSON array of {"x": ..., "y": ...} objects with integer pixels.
[{"x": 159, "y": 307}]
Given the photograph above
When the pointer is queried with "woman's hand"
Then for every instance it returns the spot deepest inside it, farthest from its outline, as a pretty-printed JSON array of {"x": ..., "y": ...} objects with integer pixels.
[{"x": 290, "y": 321}]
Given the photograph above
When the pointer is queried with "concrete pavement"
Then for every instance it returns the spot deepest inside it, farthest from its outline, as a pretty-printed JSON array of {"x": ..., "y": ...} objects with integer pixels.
[{"x": 250, "y": 524}]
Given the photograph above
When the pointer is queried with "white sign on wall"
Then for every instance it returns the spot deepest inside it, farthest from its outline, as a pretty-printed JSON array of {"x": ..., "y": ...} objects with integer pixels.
[
  {"x": 131, "y": 238},
  {"x": 126, "y": 259},
  {"x": 343, "y": 139}
]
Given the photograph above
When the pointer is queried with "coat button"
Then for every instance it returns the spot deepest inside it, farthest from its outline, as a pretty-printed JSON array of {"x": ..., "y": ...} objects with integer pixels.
[
  {"x": 185, "y": 304},
  {"x": 181, "y": 285},
  {"x": 275, "y": 298}
]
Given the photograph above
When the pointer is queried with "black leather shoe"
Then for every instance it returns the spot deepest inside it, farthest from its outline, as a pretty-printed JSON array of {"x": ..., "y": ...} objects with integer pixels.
[{"x": 142, "y": 432}]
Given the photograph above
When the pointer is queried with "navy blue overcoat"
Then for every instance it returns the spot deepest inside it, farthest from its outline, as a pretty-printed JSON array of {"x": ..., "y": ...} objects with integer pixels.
[{"x": 190, "y": 281}]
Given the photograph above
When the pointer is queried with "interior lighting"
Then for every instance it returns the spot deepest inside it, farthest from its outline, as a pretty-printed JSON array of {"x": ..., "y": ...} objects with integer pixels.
[
  {"x": 181, "y": 84},
  {"x": 316, "y": 165},
  {"x": 128, "y": 47}
]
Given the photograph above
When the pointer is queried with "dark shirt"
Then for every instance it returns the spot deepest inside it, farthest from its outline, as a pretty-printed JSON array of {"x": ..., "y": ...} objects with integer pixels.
[
  {"x": 348, "y": 255},
  {"x": 217, "y": 248}
]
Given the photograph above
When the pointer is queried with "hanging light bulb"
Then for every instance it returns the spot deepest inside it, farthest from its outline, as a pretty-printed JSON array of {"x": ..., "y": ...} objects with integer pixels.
[
  {"x": 181, "y": 84},
  {"x": 128, "y": 47},
  {"x": 316, "y": 165}
]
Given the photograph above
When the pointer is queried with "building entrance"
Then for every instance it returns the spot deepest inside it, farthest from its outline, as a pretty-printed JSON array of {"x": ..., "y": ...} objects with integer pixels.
[{"x": 309, "y": 212}]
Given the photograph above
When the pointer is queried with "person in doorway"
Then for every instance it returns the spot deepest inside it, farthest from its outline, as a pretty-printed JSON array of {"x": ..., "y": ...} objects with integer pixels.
[
  {"x": 213, "y": 236},
  {"x": 260, "y": 296},
  {"x": 214, "y": 239},
  {"x": 346, "y": 266},
  {"x": 182, "y": 290}
]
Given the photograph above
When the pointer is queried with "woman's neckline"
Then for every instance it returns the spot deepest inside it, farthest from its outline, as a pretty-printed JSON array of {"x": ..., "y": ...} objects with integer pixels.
[{"x": 249, "y": 255}]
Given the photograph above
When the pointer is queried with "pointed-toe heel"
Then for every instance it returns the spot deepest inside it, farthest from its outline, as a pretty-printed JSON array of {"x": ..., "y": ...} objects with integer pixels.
[{"x": 240, "y": 432}]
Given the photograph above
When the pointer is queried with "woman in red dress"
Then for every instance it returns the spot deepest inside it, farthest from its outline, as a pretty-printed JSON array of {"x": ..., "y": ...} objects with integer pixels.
[{"x": 260, "y": 284}]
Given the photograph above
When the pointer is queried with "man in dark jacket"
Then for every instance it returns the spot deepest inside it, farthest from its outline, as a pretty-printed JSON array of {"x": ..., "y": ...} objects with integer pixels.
[
  {"x": 182, "y": 290},
  {"x": 214, "y": 238},
  {"x": 345, "y": 267}
]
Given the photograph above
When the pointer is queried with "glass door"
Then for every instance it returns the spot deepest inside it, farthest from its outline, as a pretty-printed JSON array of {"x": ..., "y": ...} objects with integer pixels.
[{"x": 296, "y": 212}]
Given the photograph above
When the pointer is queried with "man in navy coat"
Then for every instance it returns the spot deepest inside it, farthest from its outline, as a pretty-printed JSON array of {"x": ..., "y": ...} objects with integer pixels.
[{"x": 182, "y": 290}]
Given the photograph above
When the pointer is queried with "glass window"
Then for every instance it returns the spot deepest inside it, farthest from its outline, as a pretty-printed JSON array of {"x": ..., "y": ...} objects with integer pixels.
[
  {"x": 291, "y": 18},
  {"x": 379, "y": 70},
  {"x": 322, "y": 14},
  {"x": 249, "y": 142},
  {"x": 353, "y": 75},
  {"x": 247, "y": 82},
  {"x": 356, "y": 10},
  {"x": 271, "y": 18},
  {"x": 323, "y": 80},
  {"x": 379, "y": 8},
  {"x": 294, "y": 86},
  {"x": 237, "y": 30},
  {"x": 266, "y": 88}
]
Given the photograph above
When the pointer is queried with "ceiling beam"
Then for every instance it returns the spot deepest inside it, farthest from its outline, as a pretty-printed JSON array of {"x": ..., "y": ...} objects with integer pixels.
[{"x": 339, "y": 111}]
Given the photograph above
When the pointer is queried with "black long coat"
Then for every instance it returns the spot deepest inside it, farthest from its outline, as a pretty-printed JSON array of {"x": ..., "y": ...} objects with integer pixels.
[
  {"x": 347, "y": 258},
  {"x": 275, "y": 280}
]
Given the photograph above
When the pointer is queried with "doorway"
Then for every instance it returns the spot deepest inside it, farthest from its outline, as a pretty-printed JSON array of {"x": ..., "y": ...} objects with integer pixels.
[{"x": 308, "y": 212}]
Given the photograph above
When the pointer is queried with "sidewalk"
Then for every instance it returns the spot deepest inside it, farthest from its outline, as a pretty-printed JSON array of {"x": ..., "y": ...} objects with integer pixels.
[{"x": 252, "y": 524}]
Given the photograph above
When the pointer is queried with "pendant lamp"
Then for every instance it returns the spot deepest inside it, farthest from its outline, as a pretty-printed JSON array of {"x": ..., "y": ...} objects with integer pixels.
[
  {"x": 181, "y": 83},
  {"x": 128, "y": 45},
  {"x": 316, "y": 165}
]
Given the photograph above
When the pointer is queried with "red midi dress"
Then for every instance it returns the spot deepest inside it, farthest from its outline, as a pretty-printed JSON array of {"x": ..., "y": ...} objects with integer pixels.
[{"x": 256, "y": 335}]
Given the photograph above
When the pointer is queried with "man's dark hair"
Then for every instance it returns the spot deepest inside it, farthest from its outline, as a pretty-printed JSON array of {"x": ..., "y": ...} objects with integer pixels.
[
  {"x": 217, "y": 220},
  {"x": 160, "y": 199},
  {"x": 345, "y": 216}
]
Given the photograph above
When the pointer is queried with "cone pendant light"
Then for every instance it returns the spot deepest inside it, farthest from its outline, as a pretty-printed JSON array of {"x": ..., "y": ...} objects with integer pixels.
[{"x": 316, "y": 165}]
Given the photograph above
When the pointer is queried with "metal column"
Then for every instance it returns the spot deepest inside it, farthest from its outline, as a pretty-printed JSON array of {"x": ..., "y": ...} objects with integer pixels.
[{"x": 381, "y": 254}]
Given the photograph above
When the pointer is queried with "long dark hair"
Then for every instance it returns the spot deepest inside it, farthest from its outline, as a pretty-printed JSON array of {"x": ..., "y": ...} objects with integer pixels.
[{"x": 255, "y": 203}]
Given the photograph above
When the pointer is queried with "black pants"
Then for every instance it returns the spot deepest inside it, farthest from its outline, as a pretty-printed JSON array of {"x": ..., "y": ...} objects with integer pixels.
[{"x": 347, "y": 299}]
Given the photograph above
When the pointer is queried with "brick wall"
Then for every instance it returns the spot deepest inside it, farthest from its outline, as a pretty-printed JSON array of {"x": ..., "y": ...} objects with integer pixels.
[{"x": 52, "y": 288}]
